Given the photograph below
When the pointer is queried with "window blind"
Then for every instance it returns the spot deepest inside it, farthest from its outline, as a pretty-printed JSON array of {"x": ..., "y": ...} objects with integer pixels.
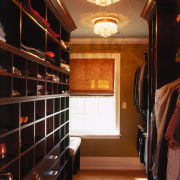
[{"x": 92, "y": 76}]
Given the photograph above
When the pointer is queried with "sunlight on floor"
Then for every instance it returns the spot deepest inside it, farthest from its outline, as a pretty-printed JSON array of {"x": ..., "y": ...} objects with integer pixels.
[{"x": 140, "y": 178}]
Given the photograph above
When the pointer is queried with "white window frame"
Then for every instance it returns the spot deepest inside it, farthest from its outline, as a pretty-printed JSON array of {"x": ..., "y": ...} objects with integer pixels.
[{"x": 116, "y": 57}]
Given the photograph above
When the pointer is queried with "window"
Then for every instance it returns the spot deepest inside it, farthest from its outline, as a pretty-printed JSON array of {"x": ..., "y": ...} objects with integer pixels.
[
  {"x": 93, "y": 115},
  {"x": 92, "y": 76},
  {"x": 97, "y": 116}
]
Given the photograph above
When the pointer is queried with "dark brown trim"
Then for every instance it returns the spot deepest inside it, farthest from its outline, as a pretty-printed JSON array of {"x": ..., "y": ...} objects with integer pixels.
[{"x": 149, "y": 10}]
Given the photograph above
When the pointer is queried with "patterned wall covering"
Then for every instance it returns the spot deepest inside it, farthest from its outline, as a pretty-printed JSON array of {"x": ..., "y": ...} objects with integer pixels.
[{"x": 92, "y": 76}]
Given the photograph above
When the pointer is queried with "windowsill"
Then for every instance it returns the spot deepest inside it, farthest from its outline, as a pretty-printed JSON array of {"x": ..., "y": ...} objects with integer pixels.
[{"x": 97, "y": 136}]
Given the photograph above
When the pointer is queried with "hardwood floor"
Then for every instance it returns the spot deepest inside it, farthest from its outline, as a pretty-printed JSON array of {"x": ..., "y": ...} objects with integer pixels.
[{"x": 110, "y": 175}]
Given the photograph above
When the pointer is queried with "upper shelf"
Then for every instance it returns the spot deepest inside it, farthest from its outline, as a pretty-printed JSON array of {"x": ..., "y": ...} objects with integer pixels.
[
  {"x": 62, "y": 14},
  {"x": 15, "y": 50}
]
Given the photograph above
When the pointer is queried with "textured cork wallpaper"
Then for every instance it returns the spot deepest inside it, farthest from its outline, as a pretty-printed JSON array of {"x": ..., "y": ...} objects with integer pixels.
[{"x": 92, "y": 76}]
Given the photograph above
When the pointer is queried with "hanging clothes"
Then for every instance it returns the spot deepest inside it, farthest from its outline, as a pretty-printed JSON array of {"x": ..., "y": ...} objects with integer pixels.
[
  {"x": 140, "y": 101},
  {"x": 173, "y": 138},
  {"x": 173, "y": 166},
  {"x": 136, "y": 80},
  {"x": 173, "y": 134},
  {"x": 140, "y": 88},
  {"x": 165, "y": 102},
  {"x": 140, "y": 144}
]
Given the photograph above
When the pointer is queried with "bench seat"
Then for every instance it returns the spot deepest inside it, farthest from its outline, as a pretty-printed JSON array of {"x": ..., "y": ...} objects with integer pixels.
[{"x": 74, "y": 153}]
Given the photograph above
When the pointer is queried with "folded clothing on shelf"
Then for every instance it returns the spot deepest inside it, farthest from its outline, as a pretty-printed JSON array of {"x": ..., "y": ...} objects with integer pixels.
[
  {"x": 66, "y": 45},
  {"x": 51, "y": 59},
  {"x": 40, "y": 89},
  {"x": 6, "y": 176},
  {"x": 23, "y": 119},
  {"x": 16, "y": 71},
  {"x": 27, "y": 6},
  {"x": 40, "y": 76},
  {"x": 53, "y": 33},
  {"x": 40, "y": 53},
  {"x": 52, "y": 77},
  {"x": 178, "y": 18},
  {"x": 2, "y": 33},
  {"x": 2, "y": 69},
  {"x": 50, "y": 53},
  {"x": 2, "y": 39},
  {"x": 34, "y": 51},
  {"x": 2, "y": 150},
  {"x": 65, "y": 66},
  {"x": 15, "y": 93}
]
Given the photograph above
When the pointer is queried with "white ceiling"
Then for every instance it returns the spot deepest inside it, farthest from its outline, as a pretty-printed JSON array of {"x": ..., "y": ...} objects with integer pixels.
[{"x": 130, "y": 25}]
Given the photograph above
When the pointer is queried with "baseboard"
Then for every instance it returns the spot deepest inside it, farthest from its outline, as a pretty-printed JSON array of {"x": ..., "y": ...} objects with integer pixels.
[{"x": 111, "y": 163}]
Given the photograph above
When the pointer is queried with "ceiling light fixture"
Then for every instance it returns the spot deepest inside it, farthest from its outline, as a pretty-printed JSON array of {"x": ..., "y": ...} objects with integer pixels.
[
  {"x": 103, "y": 2},
  {"x": 105, "y": 26}
]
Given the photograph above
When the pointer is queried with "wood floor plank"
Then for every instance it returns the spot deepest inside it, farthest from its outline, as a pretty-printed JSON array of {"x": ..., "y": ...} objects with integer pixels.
[{"x": 110, "y": 175}]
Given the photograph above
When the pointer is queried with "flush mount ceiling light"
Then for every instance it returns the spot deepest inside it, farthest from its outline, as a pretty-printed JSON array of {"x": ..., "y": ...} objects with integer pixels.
[
  {"x": 105, "y": 26},
  {"x": 103, "y": 2}
]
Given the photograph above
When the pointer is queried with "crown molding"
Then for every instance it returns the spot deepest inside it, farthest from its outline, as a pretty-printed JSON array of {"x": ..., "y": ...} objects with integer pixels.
[
  {"x": 109, "y": 40},
  {"x": 62, "y": 14},
  {"x": 149, "y": 10}
]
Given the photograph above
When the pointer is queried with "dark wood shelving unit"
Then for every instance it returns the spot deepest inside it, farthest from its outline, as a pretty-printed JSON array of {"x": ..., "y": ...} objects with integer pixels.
[
  {"x": 34, "y": 93},
  {"x": 162, "y": 67}
]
